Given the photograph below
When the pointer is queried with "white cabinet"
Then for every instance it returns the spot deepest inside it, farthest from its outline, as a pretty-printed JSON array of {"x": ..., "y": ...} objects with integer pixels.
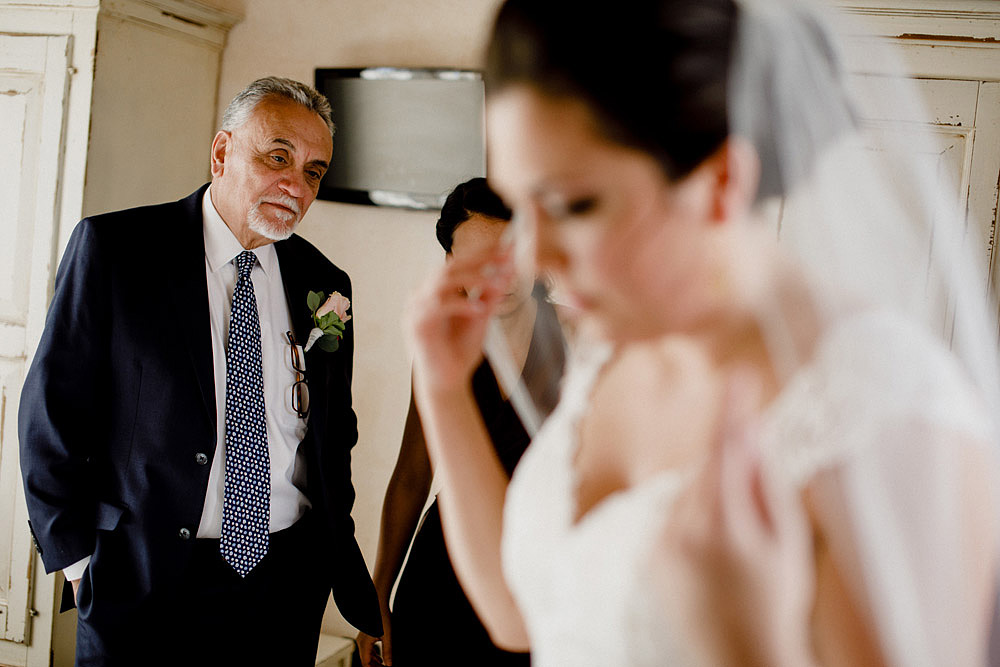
[{"x": 103, "y": 105}]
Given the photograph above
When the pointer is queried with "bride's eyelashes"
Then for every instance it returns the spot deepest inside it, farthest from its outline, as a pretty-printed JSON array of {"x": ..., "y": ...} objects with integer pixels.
[
  {"x": 559, "y": 209},
  {"x": 582, "y": 206}
]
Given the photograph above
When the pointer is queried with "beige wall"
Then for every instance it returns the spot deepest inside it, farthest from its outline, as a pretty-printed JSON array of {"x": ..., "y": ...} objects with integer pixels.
[
  {"x": 160, "y": 67},
  {"x": 386, "y": 251}
]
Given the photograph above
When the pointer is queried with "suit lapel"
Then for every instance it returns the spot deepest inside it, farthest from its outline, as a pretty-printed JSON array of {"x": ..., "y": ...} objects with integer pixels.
[
  {"x": 296, "y": 290},
  {"x": 188, "y": 290},
  {"x": 296, "y": 286}
]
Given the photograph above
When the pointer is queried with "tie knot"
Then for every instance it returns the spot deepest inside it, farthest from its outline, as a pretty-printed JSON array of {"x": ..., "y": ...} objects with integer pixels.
[{"x": 244, "y": 263}]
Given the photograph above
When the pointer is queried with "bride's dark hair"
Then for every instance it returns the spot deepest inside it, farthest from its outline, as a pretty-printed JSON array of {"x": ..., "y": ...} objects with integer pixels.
[
  {"x": 657, "y": 76},
  {"x": 653, "y": 72}
]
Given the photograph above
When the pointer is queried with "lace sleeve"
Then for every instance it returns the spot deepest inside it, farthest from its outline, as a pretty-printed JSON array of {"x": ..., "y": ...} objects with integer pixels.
[
  {"x": 914, "y": 524},
  {"x": 885, "y": 428}
]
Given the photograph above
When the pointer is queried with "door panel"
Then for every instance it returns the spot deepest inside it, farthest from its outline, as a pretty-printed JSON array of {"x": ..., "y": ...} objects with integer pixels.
[{"x": 33, "y": 80}]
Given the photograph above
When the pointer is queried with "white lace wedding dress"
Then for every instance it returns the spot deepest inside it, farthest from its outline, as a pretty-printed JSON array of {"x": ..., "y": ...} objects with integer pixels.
[{"x": 861, "y": 404}]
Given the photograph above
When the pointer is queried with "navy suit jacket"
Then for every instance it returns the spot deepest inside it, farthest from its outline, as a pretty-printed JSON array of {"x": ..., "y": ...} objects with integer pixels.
[{"x": 120, "y": 401}]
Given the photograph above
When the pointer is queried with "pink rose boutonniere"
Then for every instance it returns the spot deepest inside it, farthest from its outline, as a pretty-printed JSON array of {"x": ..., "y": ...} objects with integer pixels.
[{"x": 329, "y": 320}]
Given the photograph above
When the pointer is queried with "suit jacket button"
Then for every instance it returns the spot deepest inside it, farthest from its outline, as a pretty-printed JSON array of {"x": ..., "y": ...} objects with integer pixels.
[
  {"x": 201, "y": 458},
  {"x": 184, "y": 534}
]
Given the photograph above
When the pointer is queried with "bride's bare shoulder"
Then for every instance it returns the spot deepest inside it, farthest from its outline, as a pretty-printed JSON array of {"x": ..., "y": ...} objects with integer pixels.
[{"x": 658, "y": 401}]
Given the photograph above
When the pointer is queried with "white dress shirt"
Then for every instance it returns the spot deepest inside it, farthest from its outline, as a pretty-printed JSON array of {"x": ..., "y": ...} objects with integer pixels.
[{"x": 285, "y": 429}]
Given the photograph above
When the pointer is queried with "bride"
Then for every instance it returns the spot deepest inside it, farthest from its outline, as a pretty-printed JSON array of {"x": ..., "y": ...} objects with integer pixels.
[{"x": 765, "y": 453}]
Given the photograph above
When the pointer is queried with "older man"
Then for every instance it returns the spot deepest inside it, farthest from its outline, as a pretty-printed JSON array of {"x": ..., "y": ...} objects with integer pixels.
[{"x": 185, "y": 462}]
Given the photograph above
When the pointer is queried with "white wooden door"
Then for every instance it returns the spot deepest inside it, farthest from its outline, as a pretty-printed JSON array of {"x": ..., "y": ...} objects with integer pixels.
[
  {"x": 33, "y": 90},
  {"x": 956, "y": 136},
  {"x": 984, "y": 190}
]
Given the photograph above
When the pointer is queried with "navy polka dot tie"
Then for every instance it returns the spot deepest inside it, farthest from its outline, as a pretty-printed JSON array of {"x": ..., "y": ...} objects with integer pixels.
[{"x": 246, "y": 505}]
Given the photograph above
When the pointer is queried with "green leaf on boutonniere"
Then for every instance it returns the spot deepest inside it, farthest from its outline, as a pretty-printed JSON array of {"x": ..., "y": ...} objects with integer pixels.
[
  {"x": 313, "y": 300},
  {"x": 327, "y": 320},
  {"x": 328, "y": 343},
  {"x": 328, "y": 328}
]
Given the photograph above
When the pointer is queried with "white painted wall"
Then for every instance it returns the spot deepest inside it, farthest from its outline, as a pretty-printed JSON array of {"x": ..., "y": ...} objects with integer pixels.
[{"x": 386, "y": 251}]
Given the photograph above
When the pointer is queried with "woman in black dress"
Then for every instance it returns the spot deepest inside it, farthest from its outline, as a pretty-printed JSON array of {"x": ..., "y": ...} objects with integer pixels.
[{"x": 432, "y": 622}]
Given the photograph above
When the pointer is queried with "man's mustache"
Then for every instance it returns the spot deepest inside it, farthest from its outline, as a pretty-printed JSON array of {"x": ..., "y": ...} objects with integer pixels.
[{"x": 281, "y": 200}]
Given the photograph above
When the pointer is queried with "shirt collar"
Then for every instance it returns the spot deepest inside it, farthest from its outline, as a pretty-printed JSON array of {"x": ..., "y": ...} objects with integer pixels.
[{"x": 221, "y": 245}]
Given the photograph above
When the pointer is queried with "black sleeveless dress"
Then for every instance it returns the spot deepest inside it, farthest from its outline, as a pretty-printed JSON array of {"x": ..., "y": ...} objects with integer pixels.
[{"x": 433, "y": 622}]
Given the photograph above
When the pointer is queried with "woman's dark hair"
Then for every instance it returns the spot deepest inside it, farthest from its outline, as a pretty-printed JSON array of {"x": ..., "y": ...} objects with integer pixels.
[
  {"x": 652, "y": 71},
  {"x": 466, "y": 200}
]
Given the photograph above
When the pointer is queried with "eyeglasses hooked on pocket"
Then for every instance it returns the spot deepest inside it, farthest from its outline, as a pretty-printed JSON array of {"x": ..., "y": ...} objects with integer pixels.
[{"x": 300, "y": 388}]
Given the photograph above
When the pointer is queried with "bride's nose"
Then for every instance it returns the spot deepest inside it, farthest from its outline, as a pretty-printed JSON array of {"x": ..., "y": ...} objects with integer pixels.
[{"x": 538, "y": 241}]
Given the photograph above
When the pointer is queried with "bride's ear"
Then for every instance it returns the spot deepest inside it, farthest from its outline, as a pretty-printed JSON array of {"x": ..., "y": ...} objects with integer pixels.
[{"x": 734, "y": 173}]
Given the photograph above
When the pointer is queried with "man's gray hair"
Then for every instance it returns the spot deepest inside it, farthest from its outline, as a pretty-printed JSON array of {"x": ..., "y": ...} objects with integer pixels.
[{"x": 243, "y": 105}]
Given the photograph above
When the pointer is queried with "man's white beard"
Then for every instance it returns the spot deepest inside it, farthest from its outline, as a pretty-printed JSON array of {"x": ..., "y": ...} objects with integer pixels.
[{"x": 279, "y": 231}]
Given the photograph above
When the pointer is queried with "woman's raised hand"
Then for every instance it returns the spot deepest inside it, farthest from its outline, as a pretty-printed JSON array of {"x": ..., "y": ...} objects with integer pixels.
[
  {"x": 447, "y": 316},
  {"x": 736, "y": 566}
]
